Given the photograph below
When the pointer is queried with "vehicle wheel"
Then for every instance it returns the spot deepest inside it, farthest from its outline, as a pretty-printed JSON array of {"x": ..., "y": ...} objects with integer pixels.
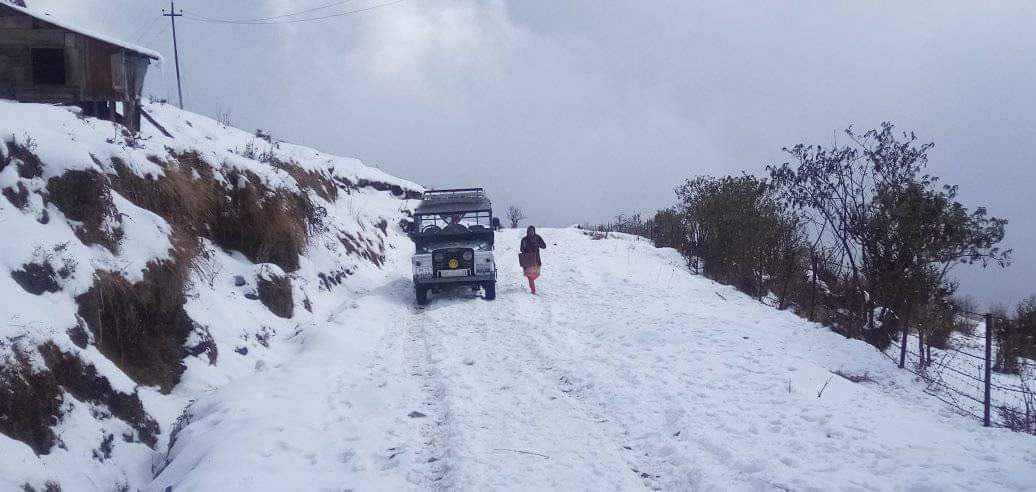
[
  {"x": 422, "y": 295},
  {"x": 490, "y": 290}
]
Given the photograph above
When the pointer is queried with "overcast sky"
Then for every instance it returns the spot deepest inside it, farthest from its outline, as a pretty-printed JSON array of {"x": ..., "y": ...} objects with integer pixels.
[{"x": 577, "y": 110}]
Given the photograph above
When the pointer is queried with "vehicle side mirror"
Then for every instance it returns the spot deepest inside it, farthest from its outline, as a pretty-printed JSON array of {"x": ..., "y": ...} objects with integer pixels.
[{"x": 496, "y": 223}]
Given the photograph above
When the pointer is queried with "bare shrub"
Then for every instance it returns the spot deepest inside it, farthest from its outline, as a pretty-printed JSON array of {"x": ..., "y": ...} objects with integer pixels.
[
  {"x": 515, "y": 215},
  {"x": 223, "y": 116}
]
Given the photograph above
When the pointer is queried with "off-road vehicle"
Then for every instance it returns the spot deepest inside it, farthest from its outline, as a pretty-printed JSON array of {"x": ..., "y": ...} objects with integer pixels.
[{"x": 453, "y": 232}]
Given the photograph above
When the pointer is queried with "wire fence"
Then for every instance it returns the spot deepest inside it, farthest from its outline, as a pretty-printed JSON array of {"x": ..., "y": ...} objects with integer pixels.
[{"x": 962, "y": 374}]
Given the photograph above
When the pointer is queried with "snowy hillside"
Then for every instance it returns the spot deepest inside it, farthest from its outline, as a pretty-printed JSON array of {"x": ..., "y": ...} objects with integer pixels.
[
  {"x": 142, "y": 272},
  {"x": 626, "y": 373},
  {"x": 207, "y": 309}
]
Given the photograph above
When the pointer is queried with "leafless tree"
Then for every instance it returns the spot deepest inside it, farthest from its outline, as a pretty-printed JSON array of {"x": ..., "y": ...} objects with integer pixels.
[{"x": 515, "y": 215}]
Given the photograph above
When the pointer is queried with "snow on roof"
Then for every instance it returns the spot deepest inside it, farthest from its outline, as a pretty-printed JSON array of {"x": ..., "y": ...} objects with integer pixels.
[{"x": 46, "y": 17}]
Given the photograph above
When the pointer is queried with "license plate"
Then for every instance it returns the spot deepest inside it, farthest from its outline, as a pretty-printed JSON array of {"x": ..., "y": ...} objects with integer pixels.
[
  {"x": 424, "y": 271},
  {"x": 453, "y": 273}
]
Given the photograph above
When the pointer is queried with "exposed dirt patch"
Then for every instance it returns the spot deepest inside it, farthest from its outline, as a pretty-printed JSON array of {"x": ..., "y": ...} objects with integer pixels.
[
  {"x": 29, "y": 165},
  {"x": 396, "y": 190},
  {"x": 275, "y": 293},
  {"x": 364, "y": 248},
  {"x": 18, "y": 197},
  {"x": 205, "y": 347},
  {"x": 37, "y": 278},
  {"x": 30, "y": 404},
  {"x": 82, "y": 381},
  {"x": 79, "y": 336}
]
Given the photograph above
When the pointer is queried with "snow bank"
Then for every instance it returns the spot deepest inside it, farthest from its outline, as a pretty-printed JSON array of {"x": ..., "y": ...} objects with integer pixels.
[{"x": 79, "y": 205}]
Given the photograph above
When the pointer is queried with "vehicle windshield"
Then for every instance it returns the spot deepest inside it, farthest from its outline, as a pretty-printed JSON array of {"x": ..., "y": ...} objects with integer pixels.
[
  {"x": 457, "y": 221},
  {"x": 477, "y": 245}
]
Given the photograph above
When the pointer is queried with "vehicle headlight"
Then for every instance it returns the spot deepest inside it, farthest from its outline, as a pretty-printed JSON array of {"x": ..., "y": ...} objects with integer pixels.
[{"x": 467, "y": 256}]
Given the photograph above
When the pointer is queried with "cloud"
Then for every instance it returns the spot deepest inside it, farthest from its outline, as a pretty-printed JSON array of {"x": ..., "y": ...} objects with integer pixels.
[{"x": 582, "y": 109}]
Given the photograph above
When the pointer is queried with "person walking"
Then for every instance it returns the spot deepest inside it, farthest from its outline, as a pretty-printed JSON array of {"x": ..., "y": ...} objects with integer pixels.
[{"x": 529, "y": 258}]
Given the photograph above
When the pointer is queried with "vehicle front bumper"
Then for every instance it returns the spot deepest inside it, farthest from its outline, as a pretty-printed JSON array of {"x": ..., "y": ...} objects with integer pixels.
[{"x": 471, "y": 279}]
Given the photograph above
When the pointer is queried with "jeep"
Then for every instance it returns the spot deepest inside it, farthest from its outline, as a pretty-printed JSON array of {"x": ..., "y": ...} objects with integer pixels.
[{"x": 453, "y": 233}]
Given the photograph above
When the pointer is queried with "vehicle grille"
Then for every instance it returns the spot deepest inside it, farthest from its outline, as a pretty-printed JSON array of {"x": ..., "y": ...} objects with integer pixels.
[{"x": 447, "y": 254}]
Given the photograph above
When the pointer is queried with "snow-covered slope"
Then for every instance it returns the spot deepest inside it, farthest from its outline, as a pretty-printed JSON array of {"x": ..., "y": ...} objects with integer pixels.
[
  {"x": 203, "y": 308},
  {"x": 141, "y": 272},
  {"x": 626, "y": 372}
]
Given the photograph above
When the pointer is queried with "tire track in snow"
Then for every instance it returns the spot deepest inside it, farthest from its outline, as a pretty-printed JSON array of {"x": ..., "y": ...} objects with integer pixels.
[{"x": 432, "y": 467}]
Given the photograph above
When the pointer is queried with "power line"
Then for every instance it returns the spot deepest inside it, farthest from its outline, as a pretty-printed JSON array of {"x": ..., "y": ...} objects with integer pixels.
[
  {"x": 140, "y": 34},
  {"x": 198, "y": 18},
  {"x": 264, "y": 19},
  {"x": 155, "y": 36}
]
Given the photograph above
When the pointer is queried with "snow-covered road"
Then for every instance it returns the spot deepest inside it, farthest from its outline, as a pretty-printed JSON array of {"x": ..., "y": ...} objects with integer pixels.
[{"x": 626, "y": 372}]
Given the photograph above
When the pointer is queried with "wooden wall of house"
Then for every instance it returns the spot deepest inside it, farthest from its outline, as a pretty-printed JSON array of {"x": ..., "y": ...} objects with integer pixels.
[
  {"x": 89, "y": 74},
  {"x": 94, "y": 70}
]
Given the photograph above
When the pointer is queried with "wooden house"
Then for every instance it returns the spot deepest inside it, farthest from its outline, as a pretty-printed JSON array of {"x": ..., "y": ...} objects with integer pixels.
[{"x": 47, "y": 60}]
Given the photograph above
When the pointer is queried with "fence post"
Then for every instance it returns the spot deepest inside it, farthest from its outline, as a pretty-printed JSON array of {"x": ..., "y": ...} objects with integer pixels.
[{"x": 989, "y": 374}]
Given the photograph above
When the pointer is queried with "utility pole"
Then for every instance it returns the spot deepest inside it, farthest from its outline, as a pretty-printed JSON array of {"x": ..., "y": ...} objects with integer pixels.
[{"x": 172, "y": 15}]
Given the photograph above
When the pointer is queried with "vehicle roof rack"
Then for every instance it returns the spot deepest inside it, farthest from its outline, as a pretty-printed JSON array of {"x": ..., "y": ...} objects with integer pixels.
[
  {"x": 455, "y": 194},
  {"x": 454, "y": 200}
]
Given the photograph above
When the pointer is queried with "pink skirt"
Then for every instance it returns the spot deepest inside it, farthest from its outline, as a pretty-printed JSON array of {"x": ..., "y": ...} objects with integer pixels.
[{"x": 532, "y": 272}]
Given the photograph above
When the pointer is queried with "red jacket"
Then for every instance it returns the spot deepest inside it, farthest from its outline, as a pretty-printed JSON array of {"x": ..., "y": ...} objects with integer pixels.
[{"x": 532, "y": 246}]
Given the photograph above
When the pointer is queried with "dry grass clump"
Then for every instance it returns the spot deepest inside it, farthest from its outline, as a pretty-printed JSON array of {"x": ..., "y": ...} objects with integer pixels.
[
  {"x": 30, "y": 404},
  {"x": 320, "y": 183},
  {"x": 187, "y": 196},
  {"x": 84, "y": 197},
  {"x": 265, "y": 225},
  {"x": 141, "y": 327}
]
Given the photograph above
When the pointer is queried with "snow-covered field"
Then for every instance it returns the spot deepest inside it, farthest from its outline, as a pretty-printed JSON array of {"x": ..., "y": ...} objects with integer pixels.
[{"x": 625, "y": 373}]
